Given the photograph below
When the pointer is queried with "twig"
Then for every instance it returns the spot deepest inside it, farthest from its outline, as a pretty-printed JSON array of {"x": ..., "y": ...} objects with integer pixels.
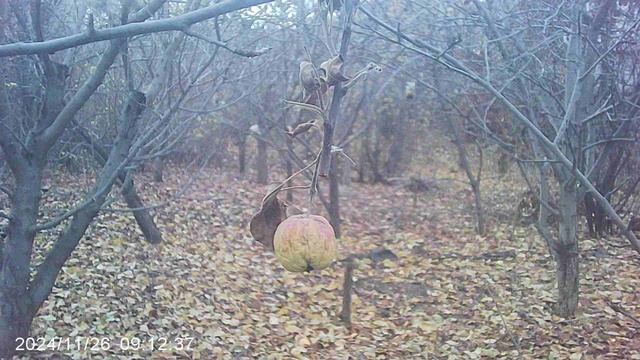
[
  {"x": 239, "y": 52},
  {"x": 285, "y": 181},
  {"x": 609, "y": 50},
  {"x": 295, "y": 187},
  {"x": 514, "y": 340},
  {"x": 619, "y": 309},
  {"x": 173, "y": 197}
]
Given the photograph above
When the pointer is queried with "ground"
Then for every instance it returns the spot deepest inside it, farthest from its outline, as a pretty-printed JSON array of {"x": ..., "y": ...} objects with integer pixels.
[{"x": 449, "y": 294}]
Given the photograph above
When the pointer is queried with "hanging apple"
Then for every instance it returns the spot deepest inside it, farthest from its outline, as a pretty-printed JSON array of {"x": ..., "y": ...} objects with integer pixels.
[{"x": 304, "y": 243}]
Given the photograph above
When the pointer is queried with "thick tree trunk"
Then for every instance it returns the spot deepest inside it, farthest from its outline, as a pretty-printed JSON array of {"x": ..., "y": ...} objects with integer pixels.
[
  {"x": 12, "y": 328},
  {"x": 567, "y": 260},
  {"x": 544, "y": 214},
  {"x": 16, "y": 308},
  {"x": 19, "y": 298}
]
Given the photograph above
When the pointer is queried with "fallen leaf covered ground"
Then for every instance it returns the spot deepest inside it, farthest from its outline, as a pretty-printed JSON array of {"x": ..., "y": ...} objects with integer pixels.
[{"x": 450, "y": 294}]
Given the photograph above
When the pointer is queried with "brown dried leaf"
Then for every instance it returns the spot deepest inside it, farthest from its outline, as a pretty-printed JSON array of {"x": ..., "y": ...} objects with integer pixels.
[
  {"x": 264, "y": 223},
  {"x": 332, "y": 69},
  {"x": 309, "y": 78},
  {"x": 301, "y": 128}
]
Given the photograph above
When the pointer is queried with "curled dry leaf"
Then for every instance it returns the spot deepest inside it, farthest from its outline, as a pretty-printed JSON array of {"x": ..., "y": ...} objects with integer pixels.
[
  {"x": 312, "y": 82},
  {"x": 264, "y": 223},
  {"x": 309, "y": 77},
  {"x": 301, "y": 128},
  {"x": 332, "y": 69}
]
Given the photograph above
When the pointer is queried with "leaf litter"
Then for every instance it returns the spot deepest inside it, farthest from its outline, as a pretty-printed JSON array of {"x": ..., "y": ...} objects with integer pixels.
[{"x": 439, "y": 296}]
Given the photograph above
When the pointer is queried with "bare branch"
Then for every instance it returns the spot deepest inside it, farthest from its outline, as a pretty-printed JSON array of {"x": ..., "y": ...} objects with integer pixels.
[{"x": 180, "y": 22}]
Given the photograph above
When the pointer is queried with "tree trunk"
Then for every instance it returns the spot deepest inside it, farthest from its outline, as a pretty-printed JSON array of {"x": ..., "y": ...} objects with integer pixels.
[
  {"x": 474, "y": 180},
  {"x": 261, "y": 163},
  {"x": 545, "y": 216},
  {"x": 480, "y": 221},
  {"x": 158, "y": 170},
  {"x": 395, "y": 163},
  {"x": 347, "y": 289},
  {"x": 567, "y": 252},
  {"x": 19, "y": 298},
  {"x": 334, "y": 196},
  {"x": 242, "y": 155},
  {"x": 362, "y": 163},
  {"x": 16, "y": 310},
  {"x": 142, "y": 216},
  {"x": 12, "y": 327}
]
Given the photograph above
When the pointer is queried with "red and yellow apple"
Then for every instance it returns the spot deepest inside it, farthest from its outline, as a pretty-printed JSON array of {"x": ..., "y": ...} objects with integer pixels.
[{"x": 304, "y": 243}]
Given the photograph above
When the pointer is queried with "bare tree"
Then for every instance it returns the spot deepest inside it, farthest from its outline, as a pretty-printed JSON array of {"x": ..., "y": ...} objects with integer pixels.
[
  {"x": 33, "y": 127},
  {"x": 526, "y": 86}
]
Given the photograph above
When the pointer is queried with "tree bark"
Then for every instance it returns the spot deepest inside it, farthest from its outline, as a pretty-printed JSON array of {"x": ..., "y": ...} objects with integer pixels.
[
  {"x": 474, "y": 180},
  {"x": 128, "y": 30},
  {"x": 544, "y": 215},
  {"x": 477, "y": 196},
  {"x": 334, "y": 197},
  {"x": 347, "y": 289},
  {"x": 329, "y": 126},
  {"x": 567, "y": 261},
  {"x": 242, "y": 155},
  {"x": 16, "y": 310},
  {"x": 158, "y": 170},
  {"x": 394, "y": 165},
  {"x": 47, "y": 273},
  {"x": 19, "y": 298},
  {"x": 262, "y": 162},
  {"x": 144, "y": 219}
]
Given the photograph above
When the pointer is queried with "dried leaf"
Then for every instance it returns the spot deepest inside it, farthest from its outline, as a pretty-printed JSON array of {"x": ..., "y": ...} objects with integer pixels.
[
  {"x": 310, "y": 79},
  {"x": 301, "y": 128},
  {"x": 264, "y": 223},
  {"x": 332, "y": 69}
]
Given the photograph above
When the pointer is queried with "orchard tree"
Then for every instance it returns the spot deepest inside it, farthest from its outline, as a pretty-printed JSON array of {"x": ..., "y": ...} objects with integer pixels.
[
  {"x": 549, "y": 66},
  {"x": 41, "y": 96}
]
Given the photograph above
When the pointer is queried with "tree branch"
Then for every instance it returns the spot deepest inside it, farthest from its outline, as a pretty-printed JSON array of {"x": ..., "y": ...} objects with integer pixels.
[
  {"x": 455, "y": 65},
  {"x": 239, "y": 52},
  {"x": 63, "y": 247},
  {"x": 350, "y": 8},
  {"x": 62, "y": 120},
  {"x": 180, "y": 22}
]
